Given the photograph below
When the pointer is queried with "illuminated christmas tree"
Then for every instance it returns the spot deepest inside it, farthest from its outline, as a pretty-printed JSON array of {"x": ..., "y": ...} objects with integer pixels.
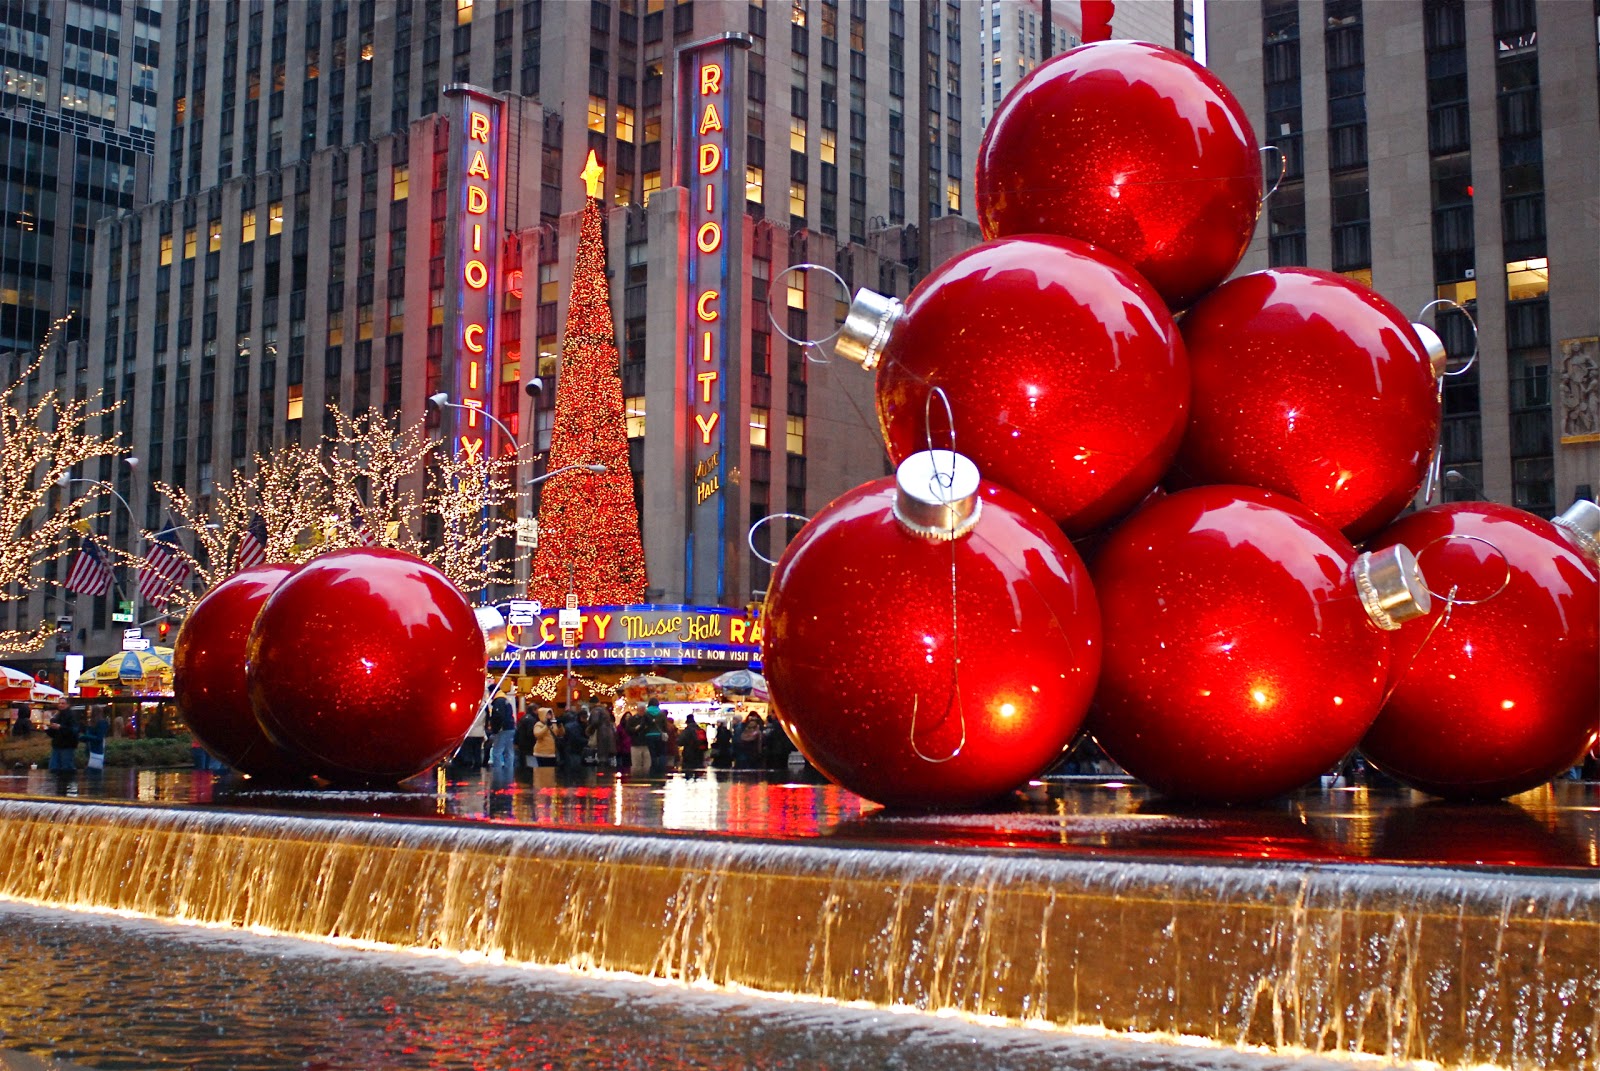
[{"x": 588, "y": 525}]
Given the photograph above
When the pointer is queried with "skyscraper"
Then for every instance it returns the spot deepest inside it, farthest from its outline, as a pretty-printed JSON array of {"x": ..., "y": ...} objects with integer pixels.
[
  {"x": 319, "y": 241},
  {"x": 1439, "y": 149}
]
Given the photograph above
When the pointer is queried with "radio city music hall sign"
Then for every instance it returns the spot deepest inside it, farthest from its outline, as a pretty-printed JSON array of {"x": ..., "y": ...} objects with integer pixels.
[
  {"x": 478, "y": 241},
  {"x": 707, "y": 276}
]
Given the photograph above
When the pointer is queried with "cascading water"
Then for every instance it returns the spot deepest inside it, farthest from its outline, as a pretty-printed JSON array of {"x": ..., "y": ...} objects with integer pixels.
[{"x": 1463, "y": 970}]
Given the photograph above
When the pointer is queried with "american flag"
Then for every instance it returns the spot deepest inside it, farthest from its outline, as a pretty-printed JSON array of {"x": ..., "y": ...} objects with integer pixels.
[
  {"x": 91, "y": 570},
  {"x": 253, "y": 543},
  {"x": 365, "y": 537},
  {"x": 164, "y": 568}
]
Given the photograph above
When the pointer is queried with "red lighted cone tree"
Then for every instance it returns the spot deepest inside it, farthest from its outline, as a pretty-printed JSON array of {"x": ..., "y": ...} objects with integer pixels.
[{"x": 588, "y": 524}]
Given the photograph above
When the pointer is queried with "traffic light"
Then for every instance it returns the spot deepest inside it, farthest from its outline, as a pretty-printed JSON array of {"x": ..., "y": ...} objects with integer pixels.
[{"x": 164, "y": 628}]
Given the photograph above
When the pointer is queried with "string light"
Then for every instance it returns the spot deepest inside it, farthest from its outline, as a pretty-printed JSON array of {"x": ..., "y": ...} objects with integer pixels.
[{"x": 588, "y": 524}]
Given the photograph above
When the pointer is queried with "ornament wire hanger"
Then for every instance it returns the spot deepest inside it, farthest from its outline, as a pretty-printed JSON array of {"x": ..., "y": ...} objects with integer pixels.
[
  {"x": 1451, "y": 601},
  {"x": 940, "y": 483},
  {"x": 1430, "y": 485}
]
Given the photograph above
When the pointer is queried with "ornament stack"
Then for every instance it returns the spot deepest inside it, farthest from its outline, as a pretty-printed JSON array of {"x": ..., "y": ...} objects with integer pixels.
[
  {"x": 1219, "y": 448},
  {"x": 362, "y": 666}
]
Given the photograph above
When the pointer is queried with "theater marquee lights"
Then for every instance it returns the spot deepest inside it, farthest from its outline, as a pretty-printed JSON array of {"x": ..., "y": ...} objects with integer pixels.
[{"x": 476, "y": 145}]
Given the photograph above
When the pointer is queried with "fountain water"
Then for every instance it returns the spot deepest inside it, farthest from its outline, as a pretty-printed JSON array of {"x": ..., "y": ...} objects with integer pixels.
[{"x": 1464, "y": 970}]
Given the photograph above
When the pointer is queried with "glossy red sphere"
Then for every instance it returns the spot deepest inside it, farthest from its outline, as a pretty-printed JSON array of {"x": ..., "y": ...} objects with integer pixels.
[
  {"x": 1065, "y": 374},
  {"x": 369, "y": 664},
  {"x": 915, "y": 695},
  {"x": 1311, "y": 385},
  {"x": 1239, "y": 660},
  {"x": 1503, "y": 695},
  {"x": 208, "y": 674},
  {"x": 1135, "y": 148}
]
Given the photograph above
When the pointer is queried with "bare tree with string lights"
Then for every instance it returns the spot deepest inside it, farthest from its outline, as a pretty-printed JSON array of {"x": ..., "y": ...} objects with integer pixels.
[{"x": 41, "y": 442}]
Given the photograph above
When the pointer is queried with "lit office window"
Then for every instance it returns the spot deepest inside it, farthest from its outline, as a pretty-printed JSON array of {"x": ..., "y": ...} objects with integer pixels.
[
  {"x": 1527, "y": 278},
  {"x": 634, "y": 409},
  {"x": 797, "y": 435},
  {"x": 752, "y": 184},
  {"x": 758, "y": 426}
]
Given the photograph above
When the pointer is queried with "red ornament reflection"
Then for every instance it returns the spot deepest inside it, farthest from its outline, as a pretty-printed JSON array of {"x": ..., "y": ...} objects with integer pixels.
[
  {"x": 1135, "y": 148},
  {"x": 1239, "y": 661},
  {"x": 367, "y": 664},
  {"x": 1065, "y": 374},
  {"x": 1313, "y": 386},
  {"x": 1503, "y": 695},
  {"x": 879, "y": 690},
  {"x": 208, "y": 674}
]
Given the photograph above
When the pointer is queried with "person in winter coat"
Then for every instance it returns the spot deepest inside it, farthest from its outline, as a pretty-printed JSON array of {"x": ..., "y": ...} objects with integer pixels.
[
  {"x": 692, "y": 744},
  {"x": 603, "y": 738},
  {"x": 544, "y": 738}
]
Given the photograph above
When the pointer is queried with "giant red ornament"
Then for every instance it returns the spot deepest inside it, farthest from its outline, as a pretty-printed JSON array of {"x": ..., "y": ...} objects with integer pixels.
[
  {"x": 1241, "y": 658},
  {"x": 368, "y": 664},
  {"x": 208, "y": 674},
  {"x": 909, "y": 687},
  {"x": 1065, "y": 374},
  {"x": 1135, "y": 148},
  {"x": 1311, "y": 385},
  {"x": 1502, "y": 695}
]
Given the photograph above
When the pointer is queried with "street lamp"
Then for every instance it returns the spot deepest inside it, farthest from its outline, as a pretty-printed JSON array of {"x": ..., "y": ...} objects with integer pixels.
[
  {"x": 441, "y": 401},
  {"x": 65, "y": 480}
]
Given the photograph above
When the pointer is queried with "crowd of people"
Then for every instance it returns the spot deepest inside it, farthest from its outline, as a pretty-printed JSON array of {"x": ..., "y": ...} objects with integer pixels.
[
  {"x": 68, "y": 732},
  {"x": 640, "y": 739}
]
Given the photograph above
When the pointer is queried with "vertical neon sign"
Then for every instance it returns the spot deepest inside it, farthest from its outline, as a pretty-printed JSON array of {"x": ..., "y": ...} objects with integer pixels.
[
  {"x": 707, "y": 170},
  {"x": 477, "y": 283}
]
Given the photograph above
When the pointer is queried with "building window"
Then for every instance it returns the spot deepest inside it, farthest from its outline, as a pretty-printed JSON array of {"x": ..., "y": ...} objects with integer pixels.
[
  {"x": 463, "y": 12},
  {"x": 247, "y": 225},
  {"x": 797, "y": 133},
  {"x": 797, "y": 199},
  {"x": 797, "y": 13},
  {"x": 1527, "y": 279},
  {"x": 952, "y": 194},
  {"x": 633, "y": 407},
  {"x": 1461, "y": 293},
  {"x": 597, "y": 114},
  {"x": 189, "y": 243},
  {"x": 625, "y": 124},
  {"x": 549, "y": 285},
  {"x": 275, "y": 218},
  {"x": 402, "y": 183},
  {"x": 214, "y": 236},
  {"x": 797, "y": 435},
  {"x": 828, "y": 143},
  {"x": 758, "y": 427},
  {"x": 752, "y": 184},
  {"x": 296, "y": 403},
  {"x": 796, "y": 283},
  {"x": 652, "y": 183},
  {"x": 166, "y": 250}
]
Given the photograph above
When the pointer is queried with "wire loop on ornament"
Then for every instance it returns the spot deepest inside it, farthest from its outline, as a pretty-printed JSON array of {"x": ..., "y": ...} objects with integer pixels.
[
  {"x": 1283, "y": 169},
  {"x": 809, "y": 345},
  {"x": 944, "y": 481},
  {"x": 1451, "y": 601},
  {"x": 750, "y": 536},
  {"x": 1462, "y": 309}
]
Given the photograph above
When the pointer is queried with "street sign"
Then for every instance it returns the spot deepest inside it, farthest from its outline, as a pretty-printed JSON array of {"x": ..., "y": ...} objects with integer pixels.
[
  {"x": 572, "y": 602},
  {"x": 132, "y": 633},
  {"x": 520, "y": 620},
  {"x": 527, "y": 531},
  {"x": 136, "y": 645},
  {"x": 569, "y": 637},
  {"x": 568, "y": 618},
  {"x": 122, "y": 619},
  {"x": 523, "y": 606}
]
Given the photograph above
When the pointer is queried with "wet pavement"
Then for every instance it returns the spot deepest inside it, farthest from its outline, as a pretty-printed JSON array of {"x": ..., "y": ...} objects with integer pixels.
[
  {"x": 1554, "y": 828},
  {"x": 87, "y": 991}
]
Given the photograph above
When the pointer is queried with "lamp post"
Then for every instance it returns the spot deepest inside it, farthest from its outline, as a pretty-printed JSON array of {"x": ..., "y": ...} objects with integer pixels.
[
  {"x": 594, "y": 468},
  {"x": 64, "y": 481},
  {"x": 441, "y": 401}
]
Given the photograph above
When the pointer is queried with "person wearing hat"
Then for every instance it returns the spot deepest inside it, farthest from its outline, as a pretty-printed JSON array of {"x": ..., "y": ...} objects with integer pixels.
[{"x": 655, "y": 737}]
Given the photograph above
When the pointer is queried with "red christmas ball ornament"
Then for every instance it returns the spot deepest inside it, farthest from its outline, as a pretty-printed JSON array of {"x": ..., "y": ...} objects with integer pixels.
[
  {"x": 1501, "y": 695},
  {"x": 1311, "y": 385},
  {"x": 1064, "y": 372},
  {"x": 208, "y": 674},
  {"x": 931, "y": 640},
  {"x": 1135, "y": 148},
  {"x": 368, "y": 664},
  {"x": 1246, "y": 649}
]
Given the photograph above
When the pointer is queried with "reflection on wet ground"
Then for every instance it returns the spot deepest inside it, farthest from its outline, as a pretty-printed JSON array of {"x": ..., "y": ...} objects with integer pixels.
[
  {"x": 88, "y": 991},
  {"x": 1557, "y": 827}
]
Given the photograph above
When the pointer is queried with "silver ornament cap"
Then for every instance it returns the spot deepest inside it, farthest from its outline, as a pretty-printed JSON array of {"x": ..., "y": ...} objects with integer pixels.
[
  {"x": 867, "y": 327},
  {"x": 1433, "y": 345},
  {"x": 1581, "y": 522},
  {"x": 1391, "y": 586},
  {"x": 493, "y": 627},
  {"x": 936, "y": 495}
]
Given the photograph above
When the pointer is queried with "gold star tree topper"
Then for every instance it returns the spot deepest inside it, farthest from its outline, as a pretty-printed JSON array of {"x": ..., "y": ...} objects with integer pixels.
[{"x": 593, "y": 175}]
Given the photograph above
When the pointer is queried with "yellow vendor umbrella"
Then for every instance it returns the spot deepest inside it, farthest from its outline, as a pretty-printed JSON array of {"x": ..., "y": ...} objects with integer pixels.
[{"x": 133, "y": 667}]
